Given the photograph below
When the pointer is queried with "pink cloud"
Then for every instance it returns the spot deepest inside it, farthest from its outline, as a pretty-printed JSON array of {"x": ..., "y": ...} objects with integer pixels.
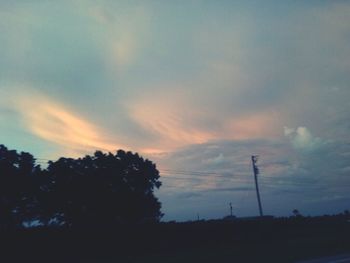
[{"x": 55, "y": 123}]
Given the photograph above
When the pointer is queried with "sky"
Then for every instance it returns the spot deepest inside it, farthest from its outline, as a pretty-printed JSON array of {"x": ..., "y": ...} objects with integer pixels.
[{"x": 195, "y": 86}]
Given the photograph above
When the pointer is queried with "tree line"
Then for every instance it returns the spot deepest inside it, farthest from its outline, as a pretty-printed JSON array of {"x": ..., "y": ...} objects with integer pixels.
[{"x": 95, "y": 190}]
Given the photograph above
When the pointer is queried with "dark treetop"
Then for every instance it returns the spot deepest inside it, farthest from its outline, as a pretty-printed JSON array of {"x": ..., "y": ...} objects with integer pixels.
[{"x": 97, "y": 190}]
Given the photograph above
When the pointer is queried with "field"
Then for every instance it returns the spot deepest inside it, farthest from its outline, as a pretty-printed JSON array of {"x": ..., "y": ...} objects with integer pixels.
[{"x": 245, "y": 240}]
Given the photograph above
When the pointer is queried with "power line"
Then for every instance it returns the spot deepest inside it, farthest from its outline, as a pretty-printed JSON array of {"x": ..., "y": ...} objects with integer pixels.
[
  {"x": 264, "y": 178},
  {"x": 190, "y": 172},
  {"x": 172, "y": 174},
  {"x": 263, "y": 181}
]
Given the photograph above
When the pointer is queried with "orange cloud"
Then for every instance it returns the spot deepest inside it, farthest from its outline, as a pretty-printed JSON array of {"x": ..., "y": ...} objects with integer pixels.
[
  {"x": 253, "y": 126},
  {"x": 176, "y": 122},
  {"x": 168, "y": 117},
  {"x": 53, "y": 122},
  {"x": 171, "y": 118}
]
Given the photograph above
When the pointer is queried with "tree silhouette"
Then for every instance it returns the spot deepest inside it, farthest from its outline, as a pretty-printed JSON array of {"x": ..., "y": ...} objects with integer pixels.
[
  {"x": 296, "y": 213},
  {"x": 102, "y": 189},
  {"x": 18, "y": 187}
]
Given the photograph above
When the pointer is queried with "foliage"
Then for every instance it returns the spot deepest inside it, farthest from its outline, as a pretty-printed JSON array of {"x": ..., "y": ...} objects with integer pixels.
[
  {"x": 18, "y": 175},
  {"x": 101, "y": 189},
  {"x": 296, "y": 213}
]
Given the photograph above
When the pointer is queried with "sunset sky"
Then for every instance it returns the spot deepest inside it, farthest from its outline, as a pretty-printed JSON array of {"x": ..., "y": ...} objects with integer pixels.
[{"x": 195, "y": 86}]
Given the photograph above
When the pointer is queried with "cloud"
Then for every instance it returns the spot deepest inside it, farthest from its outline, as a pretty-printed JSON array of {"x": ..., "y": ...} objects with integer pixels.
[
  {"x": 302, "y": 139},
  {"x": 202, "y": 91},
  {"x": 55, "y": 123},
  {"x": 287, "y": 180},
  {"x": 169, "y": 114},
  {"x": 127, "y": 28},
  {"x": 216, "y": 160}
]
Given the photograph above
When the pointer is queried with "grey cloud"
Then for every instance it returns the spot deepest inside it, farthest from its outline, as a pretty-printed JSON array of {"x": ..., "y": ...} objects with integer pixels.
[
  {"x": 233, "y": 189},
  {"x": 285, "y": 182}
]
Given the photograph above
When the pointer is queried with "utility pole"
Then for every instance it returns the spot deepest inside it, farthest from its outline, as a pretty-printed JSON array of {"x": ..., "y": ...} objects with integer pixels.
[
  {"x": 256, "y": 172},
  {"x": 231, "y": 209}
]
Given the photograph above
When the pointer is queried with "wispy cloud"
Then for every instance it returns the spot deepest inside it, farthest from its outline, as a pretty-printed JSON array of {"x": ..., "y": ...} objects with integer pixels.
[
  {"x": 193, "y": 85},
  {"x": 175, "y": 121},
  {"x": 57, "y": 124},
  {"x": 169, "y": 117},
  {"x": 127, "y": 32}
]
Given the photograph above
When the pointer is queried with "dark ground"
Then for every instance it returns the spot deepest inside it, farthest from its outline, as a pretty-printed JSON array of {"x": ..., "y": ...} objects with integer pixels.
[{"x": 268, "y": 240}]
